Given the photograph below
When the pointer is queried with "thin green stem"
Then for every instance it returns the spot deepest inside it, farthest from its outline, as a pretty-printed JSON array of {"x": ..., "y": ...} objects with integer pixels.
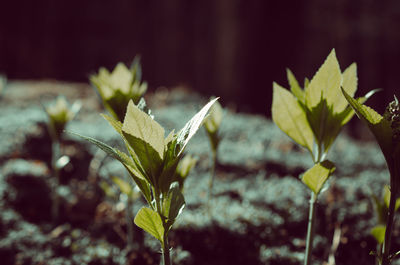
[
  {"x": 166, "y": 250},
  {"x": 212, "y": 173},
  {"x": 389, "y": 226},
  {"x": 310, "y": 229},
  {"x": 56, "y": 153}
]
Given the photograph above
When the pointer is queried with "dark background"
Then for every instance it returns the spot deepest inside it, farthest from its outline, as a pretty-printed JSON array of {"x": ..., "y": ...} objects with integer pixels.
[{"x": 230, "y": 48}]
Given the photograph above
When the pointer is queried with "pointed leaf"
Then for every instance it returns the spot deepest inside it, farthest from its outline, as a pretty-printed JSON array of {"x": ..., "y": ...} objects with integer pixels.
[
  {"x": 316, "y": 176},
  {"x": 325, "y": 83},
  {"x": 379, "y": 126},
  {"x": 386, "y": 198},
  {"x": 290, "y": 117},
  {"x": 137, "y": 176},
  {"x": 294, "y": 86},
  {"x": 192, "y": 126},
  {"x": 174, "y": 202},
  {"x": 378, "y": 232},
  {"x": 349, "y": 84},
  {"x": 141, "y": 126},
  {"x": 150, "y": 221}
]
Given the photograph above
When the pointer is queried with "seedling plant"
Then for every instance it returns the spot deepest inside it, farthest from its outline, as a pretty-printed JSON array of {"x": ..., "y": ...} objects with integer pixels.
[
  {"x": 152, "y": 163},
  {"x": 116, "y": 89},
  {"x": 59, "y": 114},
  {"x": 313, "y": 117},
  {"x": 212, "y": 124},
  {"x": 386, "y": 130}
]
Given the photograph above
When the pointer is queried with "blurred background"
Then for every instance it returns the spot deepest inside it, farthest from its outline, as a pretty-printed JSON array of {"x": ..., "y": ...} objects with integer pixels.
[{"x": 234, "y": 49}]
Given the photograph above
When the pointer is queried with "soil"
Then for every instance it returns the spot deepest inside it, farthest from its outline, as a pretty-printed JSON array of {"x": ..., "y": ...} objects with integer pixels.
[{"x": 257, "y": 214}]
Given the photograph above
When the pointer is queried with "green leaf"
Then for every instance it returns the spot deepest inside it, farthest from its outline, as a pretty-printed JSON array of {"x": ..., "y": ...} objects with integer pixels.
[
  {"x": 214, "y": 119},
  {"x": 294, "y": 86},
  {"x": 137, "y": 176},
  {"x": 349, "y": 84},
  {"x": 140, "y": 125},
  {"x": 174, "y": 203},
  {"x": 124, "y": 186},
  {"x": 325, "y": 83},
  {"x": 386, "y": 198},
  {"x": 316, "y": 176},
  {"x": 146, "y": 138},
  {"x": 290, "y": 117},
  {"x": 378, "y": 232},
  {"x": 185, "y": 165},
  {"x": 151, "y": 222},
  {"x": 379, "y": 126},
  {"x": 192, "y": 126}
]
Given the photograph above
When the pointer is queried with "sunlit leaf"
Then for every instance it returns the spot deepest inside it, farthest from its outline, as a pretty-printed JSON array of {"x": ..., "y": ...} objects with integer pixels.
[
  {"x": 294, "y": 86},
  {"x": 386, "y": 198},
  {"x": 137, "y": 176},
  {"x": 151, "y": 222},
  {"x": 379, "y": 126},
  {"x": 192, "y": 126},
  {"x": 316, "y": 176},
  {"x": 325, "y": 83},
  {"x": 174, "y": 202},
  {"x": 378, "y": 232},
  {"x": 290, "y": 117}
]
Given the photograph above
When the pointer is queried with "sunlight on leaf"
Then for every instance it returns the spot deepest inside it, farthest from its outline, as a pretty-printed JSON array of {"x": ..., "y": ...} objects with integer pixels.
[
  {"x": 316, "y": 176},
  {"x": 150, "y": 221}
]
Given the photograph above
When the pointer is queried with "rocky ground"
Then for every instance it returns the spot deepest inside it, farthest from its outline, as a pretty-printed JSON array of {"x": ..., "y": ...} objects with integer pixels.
[{"x": 257, "y": 215}]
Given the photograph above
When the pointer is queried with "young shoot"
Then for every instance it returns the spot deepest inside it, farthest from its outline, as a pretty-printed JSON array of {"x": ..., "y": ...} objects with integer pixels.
[
  {"x": 212, "y": 124},
  {"x": 120, "y": 86},
  {"x": 59, "y": 114},
  {"x": 313, "y": 118},
  {"x": 187, "y": 163},
  {"x": 152, "y": 163},
  {"x": 386, "y": 130}
]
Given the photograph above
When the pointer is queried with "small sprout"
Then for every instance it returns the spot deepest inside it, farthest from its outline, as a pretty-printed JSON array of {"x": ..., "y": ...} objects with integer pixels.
[
  {"x": 120, "y": 86},
  {"x": 212, "y": 124},
  {"x": 60, "y": 113},
  {"x": 184, "y": 167}
]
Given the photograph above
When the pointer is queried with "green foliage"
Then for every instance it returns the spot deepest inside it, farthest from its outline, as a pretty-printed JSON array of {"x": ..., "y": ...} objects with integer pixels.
[
  {"x": 152, "y": 164},
  {"x": 150, "y": 221},
  {"x": 184, "y": 167},
  {"x": 212, "y": 124},
  {"x": 59, "y": 114},
  {"x": 120, "y": 86},
  {"x": 316, "y": 114},
  {"x": 316, "y": 176},
  {"x": 381, "y": 209}
]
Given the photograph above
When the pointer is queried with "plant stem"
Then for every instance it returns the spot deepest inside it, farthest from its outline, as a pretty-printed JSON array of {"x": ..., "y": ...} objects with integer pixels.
[
  {"x": 310, "y": 229},
  {"x": 166, "y": 250},
  {"x": 389, "y": 226},
  {"x": 212, "y": 173},
  {"x": 56, "y": 153}
]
